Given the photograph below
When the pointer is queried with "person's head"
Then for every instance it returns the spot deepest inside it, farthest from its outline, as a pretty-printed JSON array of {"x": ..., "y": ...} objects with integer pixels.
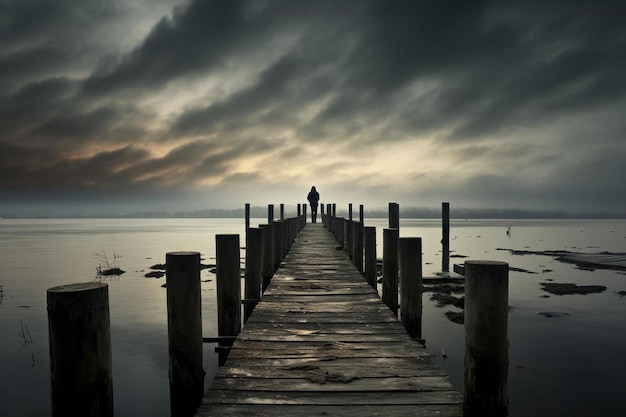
[{"x": 313, "y": 188}]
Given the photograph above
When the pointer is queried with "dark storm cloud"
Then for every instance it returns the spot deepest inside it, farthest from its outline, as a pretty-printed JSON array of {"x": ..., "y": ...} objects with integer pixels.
[{"x": 86, "y": 101}]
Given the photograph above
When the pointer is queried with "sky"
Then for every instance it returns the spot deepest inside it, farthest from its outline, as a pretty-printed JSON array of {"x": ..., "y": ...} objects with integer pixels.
[{"x": 151, "y": 105}]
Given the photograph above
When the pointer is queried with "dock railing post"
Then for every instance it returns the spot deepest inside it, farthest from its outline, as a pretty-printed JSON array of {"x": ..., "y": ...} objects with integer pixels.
[
  {"x": 267, "y": 269},
  {"x": 486, "y": 339},
  {"x": 253, "y": 277},
  {"x": 357, "y": 245},
  {"x": 394, "y": 216},
  {"x": 361, "y": 214},
  {"x": 247, "y": 214},
  {"x": 228, "y": 289},
  {"x": 371, "y": 267},
  {"x": 184, "y": 329},
  {"x": 445, "y": 239},
  {"x": 390, "y": 269},
  {"x": 80, "y": 350},
  {"x": 410, "y": 261},
  {"x": 270, "y": 213},
  {"x": 282, "y": 211}
]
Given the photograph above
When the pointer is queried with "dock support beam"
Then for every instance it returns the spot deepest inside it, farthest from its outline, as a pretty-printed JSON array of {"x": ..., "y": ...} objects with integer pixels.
[
  {"x": 254, "y": 262},
  {"x": 371, "y": 268},
  {"x": 184, "y": 332},
  {"x": 486, "y": 339},
  {"x": 80, "y": 350},
  {"x": 228, "y": 289},
  {"x": 445, "y": 238},
  {"x": 390, "y": 269},
  {"x": 410, "y": 255}
]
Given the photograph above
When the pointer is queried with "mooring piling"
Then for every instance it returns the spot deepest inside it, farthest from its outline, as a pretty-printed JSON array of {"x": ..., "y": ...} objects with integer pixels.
[
  {"x": 80, "y": 350},
  {"x": 486, "y": 339}
]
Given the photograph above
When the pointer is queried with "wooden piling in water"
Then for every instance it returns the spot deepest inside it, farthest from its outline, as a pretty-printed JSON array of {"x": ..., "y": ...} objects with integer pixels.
[
  {"x": 445, "y": 239},
  {"x": 410, "y": 266},
  {"x": 247, "y": 216},
  {"x": 369, "y": 243},
  {"x": 390, "y": 269},
  {"x": 394, "y": 216},
  {"x": 253, "y": 270},
  {"x": 184, "y": 332},
  {"x": 80, "y": 350},
  {"x": 270, "y": 213},
  {"x": 357, "y": 245},
  {"x": 228, "y": 288},
  {"x": 267, "y": 268},
  {"x": 361, "y": 214},
  {"x": 486, "y": 339}
]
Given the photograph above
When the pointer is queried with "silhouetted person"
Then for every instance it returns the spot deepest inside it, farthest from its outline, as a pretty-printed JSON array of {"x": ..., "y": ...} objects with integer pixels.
[{"x": 314, "y": 198}]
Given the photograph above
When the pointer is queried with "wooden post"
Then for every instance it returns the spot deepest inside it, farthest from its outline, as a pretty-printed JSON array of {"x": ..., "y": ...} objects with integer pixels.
[
  {"x": 348, "y": 234},
  {"x": 228, "y": 288},
  {"x": 184, "y": 332},
  {"x": 80, "y": 350},
  {"x": 445, "y": 240},
  {"x": 254, "y": 262},
  {"x": 394, "y": 216},
  {"x": 357, "y": 245},
  {"x": 267, "y": 269},
  {"x": 299, "y": 210},
  {"x": 390, "y": 269},
  {"x": 282, "y": 211},
  {"x": 410, "y": 261},
  {"x": 270, "y": 213},
  {"x": 247, "y": 209},
  {"x": 361, "y": 214},
  {"x": 486, "y": 340},
  {"x": 371, "y": 267},
  {"x": 350, "y": 211}
]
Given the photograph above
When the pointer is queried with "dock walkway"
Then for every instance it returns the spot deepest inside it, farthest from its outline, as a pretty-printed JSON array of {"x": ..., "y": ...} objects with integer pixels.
[{"x": 321, "y": 342}]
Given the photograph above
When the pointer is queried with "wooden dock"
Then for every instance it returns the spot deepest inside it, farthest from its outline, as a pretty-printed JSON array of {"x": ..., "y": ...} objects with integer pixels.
[{"x": 321, "y": 342}]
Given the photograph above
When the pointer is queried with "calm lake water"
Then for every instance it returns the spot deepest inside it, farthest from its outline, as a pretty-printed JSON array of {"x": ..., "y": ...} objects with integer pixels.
[{"x": 572, "y": 365}]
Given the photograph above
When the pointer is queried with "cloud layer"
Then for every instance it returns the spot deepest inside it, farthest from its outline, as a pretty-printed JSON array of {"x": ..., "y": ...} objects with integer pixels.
[{"x": 211, "y": 103}]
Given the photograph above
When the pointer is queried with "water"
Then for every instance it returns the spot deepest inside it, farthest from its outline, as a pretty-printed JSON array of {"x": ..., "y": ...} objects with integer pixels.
[{"x": 571, "y": 365}]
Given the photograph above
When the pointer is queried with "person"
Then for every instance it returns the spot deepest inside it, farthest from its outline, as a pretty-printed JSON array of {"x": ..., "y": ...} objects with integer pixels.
[{"x": 314, "y": 198}]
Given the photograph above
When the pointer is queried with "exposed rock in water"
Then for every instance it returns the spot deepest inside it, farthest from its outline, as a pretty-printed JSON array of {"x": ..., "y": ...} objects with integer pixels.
[
  {"x": 621, "y": 293},
  {"x": 554, "y": 314},
  {"x": 566, "y": 289},
  {"x": 456, "y": 317},
  {"x": 443, "y": 299},
  {"x": 155, "y": 274},
  {"x": 112, "y": 271}
]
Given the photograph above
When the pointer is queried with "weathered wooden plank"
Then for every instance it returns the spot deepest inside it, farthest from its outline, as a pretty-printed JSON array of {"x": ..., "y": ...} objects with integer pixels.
[
  {"x": 351, "y": 410},
  {"x": 335, "y": 383},
  {"x": 334, "y": 398}
]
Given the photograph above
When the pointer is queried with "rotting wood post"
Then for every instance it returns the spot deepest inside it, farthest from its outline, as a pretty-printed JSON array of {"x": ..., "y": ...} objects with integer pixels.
[
  {"x": 80, "y": 350},
  {"x": 361, "y": 214},
  {"x": 390, "y": 269},
  {"x": 445, "y": 239},
  {"x": 341, "y": 232},
  {"x": 357, "y": 245},
  {"x": 228, "y": 289},
  {"x": 247, "y": 210},
  {"x": 267, "y": 268},
  {"x": 349, "y": 238},
  {"x": 184, "y": 330},
  {"x": 282, "y": 211},
  {"x": 486, "y": 339},
  {"x": 277, "y": 243},
  {"x": 304, "y": 208},
  {"x": 270, "y": 213},
  {"x": 410, "y": 265},
  {"x": 299, "y": 210},
  {"x": 253, "y": 273},
  {"x": 394, "y": 216},
  {"x": 369, "y": 240},
  {"x": 350, "y": 211}
]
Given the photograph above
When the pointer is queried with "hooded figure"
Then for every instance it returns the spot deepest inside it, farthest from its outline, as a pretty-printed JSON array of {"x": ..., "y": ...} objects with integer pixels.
[{"x": 313, "y": 198}]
